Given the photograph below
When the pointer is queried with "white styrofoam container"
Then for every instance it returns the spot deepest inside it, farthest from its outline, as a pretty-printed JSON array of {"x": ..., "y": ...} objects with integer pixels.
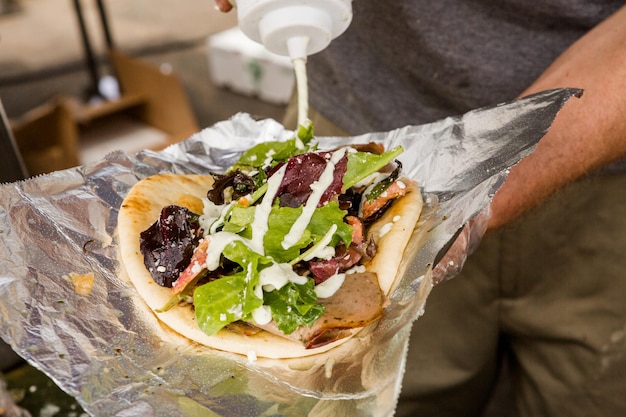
[{"x": 238, "y": 63}]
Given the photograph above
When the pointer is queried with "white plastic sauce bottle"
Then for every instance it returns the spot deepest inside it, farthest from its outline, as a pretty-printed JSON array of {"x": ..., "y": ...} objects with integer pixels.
[{"x": 294, "y": 28}]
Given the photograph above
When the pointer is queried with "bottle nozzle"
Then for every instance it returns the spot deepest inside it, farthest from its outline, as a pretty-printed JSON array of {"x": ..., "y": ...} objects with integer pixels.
[
  {"x": 274, "y": 23},
  {"x": 297, "y": 47}
]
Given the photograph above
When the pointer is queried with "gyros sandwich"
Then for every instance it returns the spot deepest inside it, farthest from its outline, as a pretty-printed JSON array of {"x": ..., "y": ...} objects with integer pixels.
[{"x": 288, "y": 253}]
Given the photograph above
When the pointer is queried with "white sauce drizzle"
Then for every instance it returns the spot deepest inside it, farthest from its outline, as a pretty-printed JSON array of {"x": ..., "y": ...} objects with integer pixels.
[
  {"x": 262, "y": 211},
  {"x": 299, "y": 66},
  {"x": 268, "y": 158},
  {"x": 368, "y": 190},
  {"x": 322, "y": 250},
  {"x": 318, "y": 187},
  {"x": 262, "y": 315},
  {"x": 212, "y": 216},
  {"x": 371, "y": 179},
  {"x": 217, "y": 243},
  {"x": 356, "y": 269},
  {"x": 273, "y": 278},
  {"x": 330, "y": 286},
  {"x": 385, "y": 229},
  {"x": 236, "y": 311},
  {"x": 278, "y": 275},
  {"x": 387, "y": 226}
]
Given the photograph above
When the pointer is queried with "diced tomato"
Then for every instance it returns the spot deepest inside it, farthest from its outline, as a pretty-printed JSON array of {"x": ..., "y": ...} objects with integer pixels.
[
  {"x": 195, "y": 269},
  {"x": 357, "y": 229},
  {"x": 395, "y": 190}
]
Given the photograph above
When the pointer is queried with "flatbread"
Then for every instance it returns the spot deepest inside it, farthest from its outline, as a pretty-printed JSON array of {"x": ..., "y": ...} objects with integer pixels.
[
  {"x": 141, "y": 208},
  {"x": 392, "y": 233}
]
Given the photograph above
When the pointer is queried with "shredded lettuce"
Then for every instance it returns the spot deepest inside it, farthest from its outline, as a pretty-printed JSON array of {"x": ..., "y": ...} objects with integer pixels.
[{"x": 294, "y": 305}]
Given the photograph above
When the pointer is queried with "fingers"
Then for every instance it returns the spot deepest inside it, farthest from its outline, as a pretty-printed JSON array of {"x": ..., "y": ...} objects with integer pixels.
[
  {"x": 466, "y": 242},
  {"x": 223, "y": 5},
  {"x": 452, "y": 262}
]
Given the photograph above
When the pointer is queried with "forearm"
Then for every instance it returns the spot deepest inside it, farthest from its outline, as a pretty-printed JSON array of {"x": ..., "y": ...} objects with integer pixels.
[{"x": 587, "y": 134}]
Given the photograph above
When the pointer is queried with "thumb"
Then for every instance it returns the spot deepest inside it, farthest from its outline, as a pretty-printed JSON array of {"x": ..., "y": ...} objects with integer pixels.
[{"x": 465, "y": 244}]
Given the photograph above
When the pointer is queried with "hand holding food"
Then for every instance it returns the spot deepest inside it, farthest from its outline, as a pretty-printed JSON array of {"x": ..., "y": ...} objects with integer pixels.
[{"x": 464, "y": 244}]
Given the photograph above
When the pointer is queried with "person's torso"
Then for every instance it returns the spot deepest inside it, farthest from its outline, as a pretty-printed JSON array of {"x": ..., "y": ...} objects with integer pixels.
[{"x": 417, "y": 61}]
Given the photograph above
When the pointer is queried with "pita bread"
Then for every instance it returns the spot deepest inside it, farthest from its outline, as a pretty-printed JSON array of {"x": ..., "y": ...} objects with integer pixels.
[{"x": 143, "y": 205}]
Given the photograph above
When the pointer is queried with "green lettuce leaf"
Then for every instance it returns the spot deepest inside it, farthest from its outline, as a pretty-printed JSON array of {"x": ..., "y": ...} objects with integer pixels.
[
  {"x": 294, "y": 305},
  {"x": 232, "y": 297},
  {"x": 363, "y": 164},
  {"x": 324, "y": 217},
  {"x": 279, "y": 223},
  {"x": 278, "y": 151},
  {"x": 239, "y": 220}
]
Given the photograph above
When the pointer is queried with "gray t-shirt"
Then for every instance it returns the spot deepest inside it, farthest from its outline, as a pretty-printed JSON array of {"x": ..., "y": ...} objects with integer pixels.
[{"x": 416, "y": 61}]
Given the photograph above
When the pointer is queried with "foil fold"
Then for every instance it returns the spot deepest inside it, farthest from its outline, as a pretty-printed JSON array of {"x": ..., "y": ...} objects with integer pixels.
[{"x": 66, "y": 310}]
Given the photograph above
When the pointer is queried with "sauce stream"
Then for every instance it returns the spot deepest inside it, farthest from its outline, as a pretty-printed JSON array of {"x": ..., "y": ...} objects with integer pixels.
[{"x": 299, "y": 66}]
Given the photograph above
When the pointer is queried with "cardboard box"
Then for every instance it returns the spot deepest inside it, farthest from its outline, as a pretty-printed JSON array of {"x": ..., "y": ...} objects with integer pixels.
[
  {"x": 152, "y": 112},
  {"x": 246, "y": 67}
]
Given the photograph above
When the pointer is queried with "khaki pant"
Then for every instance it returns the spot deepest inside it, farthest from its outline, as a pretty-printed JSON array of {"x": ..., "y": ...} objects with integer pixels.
[{"x": 547, "y": 293}]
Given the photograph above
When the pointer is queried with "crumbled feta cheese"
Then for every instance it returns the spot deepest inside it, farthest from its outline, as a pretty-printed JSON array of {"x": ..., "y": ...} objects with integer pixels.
[{"x": 196, "y": 268}]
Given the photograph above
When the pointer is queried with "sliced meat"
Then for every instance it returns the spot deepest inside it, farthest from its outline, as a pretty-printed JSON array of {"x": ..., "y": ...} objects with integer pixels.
[
  {"x": 372, "y": 147},
  {"x": 344, "y": 259},
  {"x": 356, "y": 304}
]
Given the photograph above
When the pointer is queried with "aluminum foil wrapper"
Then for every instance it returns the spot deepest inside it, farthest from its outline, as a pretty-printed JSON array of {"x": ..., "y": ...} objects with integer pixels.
[{"x": 65, "y": 308}]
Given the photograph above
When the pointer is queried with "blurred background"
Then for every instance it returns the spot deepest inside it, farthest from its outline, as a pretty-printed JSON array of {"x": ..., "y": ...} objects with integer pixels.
[
  {"x": 79, "y": 78},
  {"x": 82, "y": 78}
]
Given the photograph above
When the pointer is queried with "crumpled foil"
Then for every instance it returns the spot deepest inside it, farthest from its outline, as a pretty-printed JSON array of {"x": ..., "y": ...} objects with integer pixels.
[{"x": 65, "y": 308}]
